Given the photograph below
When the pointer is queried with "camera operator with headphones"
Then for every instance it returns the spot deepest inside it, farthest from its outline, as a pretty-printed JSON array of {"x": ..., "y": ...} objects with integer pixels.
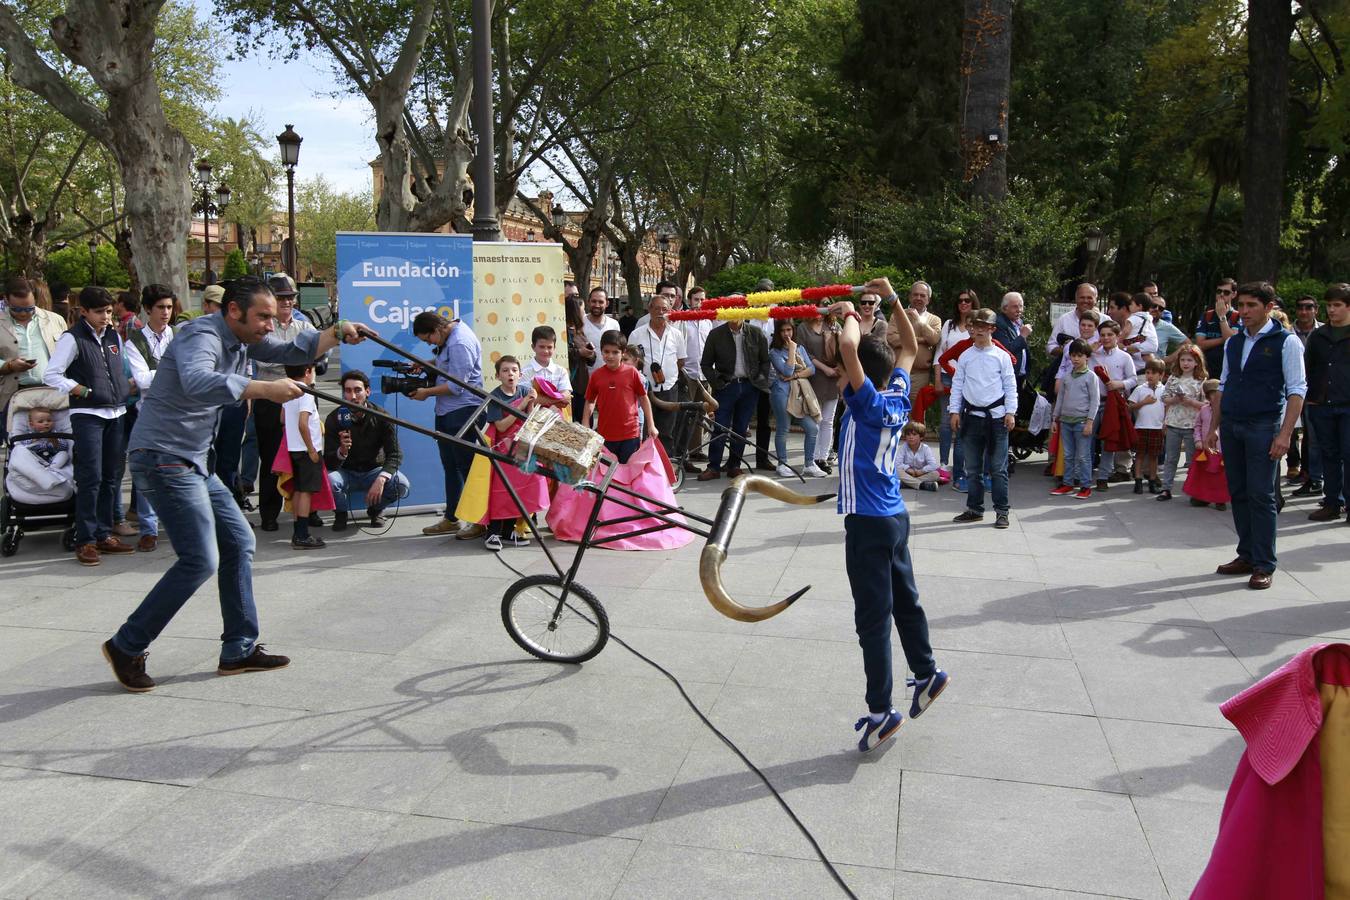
[{"x": 459, "y": 353}]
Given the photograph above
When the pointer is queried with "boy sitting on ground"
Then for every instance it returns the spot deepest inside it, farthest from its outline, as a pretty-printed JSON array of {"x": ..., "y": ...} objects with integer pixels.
[{"x": 918, "y": 464}]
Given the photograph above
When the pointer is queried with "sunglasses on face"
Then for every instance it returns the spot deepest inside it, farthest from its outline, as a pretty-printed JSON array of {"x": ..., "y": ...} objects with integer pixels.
[
  {"x": 22, "y": 310},
  {"x": 1224, "y": 292},
  {"x": 867, "y": 303}
]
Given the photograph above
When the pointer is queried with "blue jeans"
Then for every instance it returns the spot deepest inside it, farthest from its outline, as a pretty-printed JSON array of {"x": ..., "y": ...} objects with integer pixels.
[
  {"x": 98, "y": 468},
  {"x": 347, "y": 484},
  {"x": 455, "y": 460},
  {"x": 248, "y": 455},
  {"x": 985, "y": 442},
  {"x": 1077, "y": 454},
  {"x": 736, "y": 404},
  {"x": 783, "y": 423},
  {"x": 210, "y": 536},
  {"x": 1252, "y": 476},
  {"x": 1333, "y": 440},
  {"x": 229, "y": 444},
  {"x": 1176, "y": 440},
  {"x": 881, "y": 576}
]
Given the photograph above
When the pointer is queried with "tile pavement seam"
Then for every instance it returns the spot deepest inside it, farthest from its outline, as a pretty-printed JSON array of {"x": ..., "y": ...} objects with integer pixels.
[
  {"x": 1162, "y": 879},
  {"x": 812, "y": 858},
  {"x": 1078, "y": 893},
  {"x": 1228, "y": 729},
  {"x": 171, "y": 784}
]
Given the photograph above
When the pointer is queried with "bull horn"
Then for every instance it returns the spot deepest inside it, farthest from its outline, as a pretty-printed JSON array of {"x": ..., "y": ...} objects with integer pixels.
[{"x": 715, "y": 551}]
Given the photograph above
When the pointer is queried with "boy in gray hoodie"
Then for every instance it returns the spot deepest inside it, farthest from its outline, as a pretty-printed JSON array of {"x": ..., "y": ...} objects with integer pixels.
[{"x": 1080, "y": 394}]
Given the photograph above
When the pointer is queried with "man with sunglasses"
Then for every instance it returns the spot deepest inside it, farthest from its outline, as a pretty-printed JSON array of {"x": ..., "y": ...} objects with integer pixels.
[
  {"x": 1217, "y": 325},
  {"x": 27, "y": 338}
]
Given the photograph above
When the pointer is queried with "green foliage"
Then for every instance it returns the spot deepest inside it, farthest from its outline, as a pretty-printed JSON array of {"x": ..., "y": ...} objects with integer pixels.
[
  {"x": 743, "y": 278},
  {"x": 1020, "y": 244},
  {"x": 71, "y": 266},
  {"x": 321, "y": 211},
  {"x": 235, "y": 265},
  {"x": 1291, "y": 288}
]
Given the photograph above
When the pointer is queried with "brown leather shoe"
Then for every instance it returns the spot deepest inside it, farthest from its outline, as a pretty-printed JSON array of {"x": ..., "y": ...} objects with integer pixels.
[
  {"x": 1238, "y": 566},
  {"x": 735, "y": 473},
  {"x": 1259, "y": 580},
  {"x": 147, "y": 543},
  {"x": 111, "y": 544},
  {"x": 1324, "y": 514},
  {"x": 87, "y": 555},
  {"x": 709, "y": 475}
]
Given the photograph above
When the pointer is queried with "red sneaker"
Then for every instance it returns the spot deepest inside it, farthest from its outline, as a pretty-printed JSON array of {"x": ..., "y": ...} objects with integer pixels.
[
  {"x": 1062, "y": 490},
  {"x": 1084, "y": 494}
]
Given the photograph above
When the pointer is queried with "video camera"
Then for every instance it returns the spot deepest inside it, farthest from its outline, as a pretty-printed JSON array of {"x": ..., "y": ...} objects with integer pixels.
[{"x": 405, "y": 382}]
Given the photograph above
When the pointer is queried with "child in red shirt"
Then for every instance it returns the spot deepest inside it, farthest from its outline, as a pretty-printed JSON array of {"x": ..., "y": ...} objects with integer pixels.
[{"x": 615, "y": 390}]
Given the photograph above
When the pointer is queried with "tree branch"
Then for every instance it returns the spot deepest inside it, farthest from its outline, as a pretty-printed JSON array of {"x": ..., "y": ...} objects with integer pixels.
[{"x": 31, "y": 71}]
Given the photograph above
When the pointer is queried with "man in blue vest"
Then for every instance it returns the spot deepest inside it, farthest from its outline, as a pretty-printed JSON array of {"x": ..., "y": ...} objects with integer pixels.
[
  {"x": 1257, "y": 407},
  {"x": 87, "y": 365}
]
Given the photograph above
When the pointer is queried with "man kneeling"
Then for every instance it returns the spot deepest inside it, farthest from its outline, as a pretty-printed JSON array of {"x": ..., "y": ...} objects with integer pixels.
[{"x": 362, "y": 454}]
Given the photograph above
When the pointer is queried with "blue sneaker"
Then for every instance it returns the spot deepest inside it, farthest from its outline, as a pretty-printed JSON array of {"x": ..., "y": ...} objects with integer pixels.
[
  {"x": 926, "y": 691},
  {"x": 959, "y": 485},
  {"x": 876, "y": 732}
]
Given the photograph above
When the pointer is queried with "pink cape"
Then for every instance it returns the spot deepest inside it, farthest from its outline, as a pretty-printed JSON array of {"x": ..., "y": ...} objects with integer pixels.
[
  {"x": 644, "y": 473},
  {"x": 533, "y": 489},
  {"x": 1206, "y": 479},
  {"x": 323, "y": 499}
]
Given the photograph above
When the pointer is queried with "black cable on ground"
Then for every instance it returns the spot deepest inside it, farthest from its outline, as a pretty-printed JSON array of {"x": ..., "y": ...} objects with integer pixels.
[{"x": 801, "y": 826}]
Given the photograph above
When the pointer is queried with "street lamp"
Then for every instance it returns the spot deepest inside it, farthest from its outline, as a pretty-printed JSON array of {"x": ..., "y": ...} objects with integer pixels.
[
  {"x": 289, "y": 142},
  {"x": 1095, "y": 244},
  {"x": 207, "y": 208},
  {"x": 664, "y": 242},
  {"x": 559, "y": 216},
  {"x": 93, "y": 261}
]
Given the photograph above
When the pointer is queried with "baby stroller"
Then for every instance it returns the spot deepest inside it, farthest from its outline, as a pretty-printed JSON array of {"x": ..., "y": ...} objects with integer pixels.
[
  {"x": 18, "y": 516},
  {"x": 1031, "y": 431}
]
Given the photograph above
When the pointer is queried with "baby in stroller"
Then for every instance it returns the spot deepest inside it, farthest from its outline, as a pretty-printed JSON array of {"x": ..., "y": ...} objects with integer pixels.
[
  {"x": 40, "y": 469},
  {"x": 39, "y": 477}
]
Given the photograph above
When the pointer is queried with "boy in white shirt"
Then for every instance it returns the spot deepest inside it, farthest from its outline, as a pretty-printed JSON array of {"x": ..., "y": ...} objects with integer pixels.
[
  {"x": 542, "y": 341},
  {"x": 304, "y": 443},
  {"x": 917, "y": 465},
  {"x": 983, "y": 407},
  {"x": 1146, "y": 403}
]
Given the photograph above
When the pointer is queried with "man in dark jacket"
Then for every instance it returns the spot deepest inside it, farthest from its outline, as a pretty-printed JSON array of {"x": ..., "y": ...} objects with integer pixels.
[
  {"x": 1327, "y": 360},
  {"x": 736, "y": 364},
  {"x": 362, "y": 454},
  {"x": 1010, "y": 331}
]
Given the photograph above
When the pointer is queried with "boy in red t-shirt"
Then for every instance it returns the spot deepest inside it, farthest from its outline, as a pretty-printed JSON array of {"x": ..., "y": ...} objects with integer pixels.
[{"x": 616, "y": 390}]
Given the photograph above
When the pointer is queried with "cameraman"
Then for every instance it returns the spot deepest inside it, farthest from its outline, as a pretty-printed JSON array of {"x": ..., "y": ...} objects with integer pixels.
[
  {"x": 458, "y": 353},
  {"x": 353, "y": 443}
]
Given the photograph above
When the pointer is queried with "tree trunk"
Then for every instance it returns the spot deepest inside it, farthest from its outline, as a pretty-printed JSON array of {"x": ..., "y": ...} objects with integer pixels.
[
  {"x": 986, "y": 72},
  {"x": 1269, "y": 26}
]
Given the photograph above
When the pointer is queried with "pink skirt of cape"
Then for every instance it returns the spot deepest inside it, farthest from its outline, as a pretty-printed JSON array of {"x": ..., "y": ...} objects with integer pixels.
[
  {"x": 645, "y": 474},
  {"x": 533, "y": 489}
]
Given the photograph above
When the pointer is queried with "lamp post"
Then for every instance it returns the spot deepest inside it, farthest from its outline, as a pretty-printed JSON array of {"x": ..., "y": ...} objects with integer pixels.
[
  {"x": 93, "y": 261},
  {"x": 485, "y": 224},
  {"x": 664, "y": 242},
  {"x": 206, "y": 207},
  {"x": 1095, "y": 244},
  {"x": 289, "y": 142}
]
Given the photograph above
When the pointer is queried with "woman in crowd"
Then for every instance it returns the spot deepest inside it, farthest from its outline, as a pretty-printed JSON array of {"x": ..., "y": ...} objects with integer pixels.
[
  {"x": 820, "y": 342},
  {"x": 954, "y": 331},
  {"x": 579, "y": 355},
  {"x": 791, "y": 363}
]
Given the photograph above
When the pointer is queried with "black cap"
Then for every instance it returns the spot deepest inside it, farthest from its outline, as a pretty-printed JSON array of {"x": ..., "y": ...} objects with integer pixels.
[{"x": 281, "y": 286}]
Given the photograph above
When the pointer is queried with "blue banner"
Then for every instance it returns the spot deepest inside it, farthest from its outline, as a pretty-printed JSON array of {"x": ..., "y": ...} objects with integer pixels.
[{"x": 384, "y": 281}]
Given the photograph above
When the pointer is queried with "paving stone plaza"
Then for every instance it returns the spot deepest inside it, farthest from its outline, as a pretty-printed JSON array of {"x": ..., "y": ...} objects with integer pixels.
[{"x": 411, "y": 749}]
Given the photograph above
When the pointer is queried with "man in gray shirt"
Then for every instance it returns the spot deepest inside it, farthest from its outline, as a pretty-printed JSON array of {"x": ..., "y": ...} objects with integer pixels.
[{"x": 201, "y": 372}]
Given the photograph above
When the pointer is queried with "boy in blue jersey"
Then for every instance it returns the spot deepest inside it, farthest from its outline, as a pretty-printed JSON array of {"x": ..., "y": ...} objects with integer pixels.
[{"x": 876, "y": 524}]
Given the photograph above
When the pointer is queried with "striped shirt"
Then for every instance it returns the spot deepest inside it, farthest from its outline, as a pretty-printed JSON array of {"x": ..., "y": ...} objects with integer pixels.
[{"x": 869, "y": 444}]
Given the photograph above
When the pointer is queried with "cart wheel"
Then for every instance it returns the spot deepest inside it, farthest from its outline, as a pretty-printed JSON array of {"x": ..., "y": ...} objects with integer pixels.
[
  {"x": 570, "y": 632},
  {"x": 679, "y": 476},
  {"x": 1021, "y": 452},
  {"x": 68, "y": 539},
  {"x": 10, "y": 545}
]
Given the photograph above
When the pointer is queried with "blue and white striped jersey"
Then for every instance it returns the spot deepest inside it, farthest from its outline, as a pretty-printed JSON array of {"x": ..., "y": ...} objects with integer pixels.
[{"x": 869, "y": 442}]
